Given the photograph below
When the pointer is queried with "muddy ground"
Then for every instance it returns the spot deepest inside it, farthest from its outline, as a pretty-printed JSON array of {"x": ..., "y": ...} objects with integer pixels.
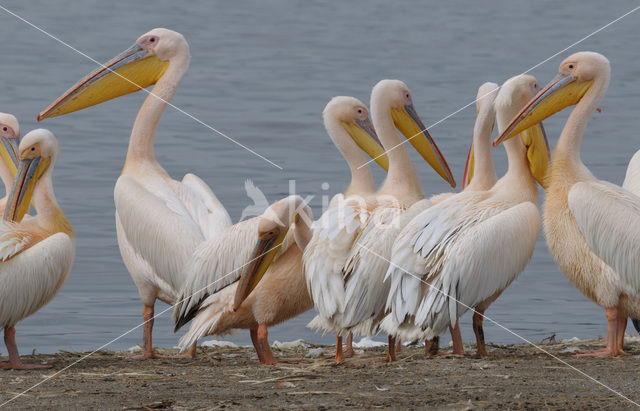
[{"x": 518, "y": 377}]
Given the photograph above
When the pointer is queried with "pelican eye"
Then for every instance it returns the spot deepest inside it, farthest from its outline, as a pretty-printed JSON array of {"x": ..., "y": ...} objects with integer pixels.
[
  {"x": 4, "y": 129},
  {"x": 570, "y": 66},
  {"x": 33, "y": 149}
]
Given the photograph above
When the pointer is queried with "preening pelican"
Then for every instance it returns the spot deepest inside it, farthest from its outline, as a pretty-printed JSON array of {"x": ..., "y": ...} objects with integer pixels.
[
  {"x": 347, "y": 122},
  {"x": 9, "y": 136},
  {"x": 159, "y": 221},
  {"x": 479, "y": 175},
  {"x": 591, "y": 226},
  {"x": 632, "y": 184},
  {"x": 261, "y": 255},
  {"x": 451, "y": 256},
  {"x": 36, "y": 254},
  {"x": 399, "y": 197}
]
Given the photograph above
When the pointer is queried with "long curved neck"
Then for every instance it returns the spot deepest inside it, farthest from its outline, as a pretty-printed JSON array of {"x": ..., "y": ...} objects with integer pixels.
[
  {"x": 568, "y": 147},
  {"x": 50, "y": 216},
  {"x": 144, "y": 129},
  {"x": 361, "y": 178},
  {"x": 484, "y": 172},
  {"x": 401, "y": 180}
]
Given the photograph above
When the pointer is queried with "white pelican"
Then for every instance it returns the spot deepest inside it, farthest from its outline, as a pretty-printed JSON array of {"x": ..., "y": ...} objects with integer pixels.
[
  {"x": 632, "y": 184},
  {"x": 397, "y": 200},
  {"x": 591, "y": 226},
  {"x": 36, "y": 254},
  {"x": 215, "y": 296},
  {"x": 347, "y": 122},
  {"x": 479, "y": 175},
  {"x": 456, "y": 247},
  {"x": 9, "y": 136},
  {"x": 159, "y": 221}
]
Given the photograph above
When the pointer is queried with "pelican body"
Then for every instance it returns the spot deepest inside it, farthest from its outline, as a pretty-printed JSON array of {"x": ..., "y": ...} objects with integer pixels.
[
  {"x": 159, "y": 221},
  {"x": 249, "y": 277},
  {"x": 36, "y": 254},
  {"x": 591, "y": 226},
  {"x": 447, "y": 259}
]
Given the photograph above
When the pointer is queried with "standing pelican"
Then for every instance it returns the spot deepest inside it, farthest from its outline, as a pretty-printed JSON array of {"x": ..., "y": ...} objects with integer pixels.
[
  {"x": 479, "y": 175},
  {"x": 399, "y": 197},
  {"x": 591, "y": 226},
  {"x": 9, "y": 136},
  {"x": 449, "y": 258},
  {"x": 347, "y": 122},
  {"x": 159, "y": 221},
  {"x": 218, "y": 298},
  {"x": 36, "y": 254}
]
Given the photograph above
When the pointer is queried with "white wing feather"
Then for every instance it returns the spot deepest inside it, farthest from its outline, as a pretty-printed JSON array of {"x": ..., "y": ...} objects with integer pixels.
[
  {"x": 215, "y": 264},
  {"x": 326, "y": 254},
  {"x": 609, "y": 218}
]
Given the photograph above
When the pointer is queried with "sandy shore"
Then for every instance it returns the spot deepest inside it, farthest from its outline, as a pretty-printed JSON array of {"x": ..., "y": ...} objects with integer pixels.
[{"x": 516, "y": 377}]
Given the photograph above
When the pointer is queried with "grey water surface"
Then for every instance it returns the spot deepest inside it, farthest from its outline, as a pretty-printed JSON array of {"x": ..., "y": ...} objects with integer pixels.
[{"x": 261, "y": 73}]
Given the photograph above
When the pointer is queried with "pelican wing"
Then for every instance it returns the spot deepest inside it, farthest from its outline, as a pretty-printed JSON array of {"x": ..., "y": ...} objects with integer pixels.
[
  {"x": 326, "y": 254},
  {"x": 420, "y": 246},
  {"x": 203, "y": 206},
  {"x": 157, "y": 227},
  {"x": 482, "y": 261},
  {"x": 31, "y": 272},
  {"x": 214, "y": 265},
  {"x": 368, "y": 261},
  {"x": 609, "y": 218}
]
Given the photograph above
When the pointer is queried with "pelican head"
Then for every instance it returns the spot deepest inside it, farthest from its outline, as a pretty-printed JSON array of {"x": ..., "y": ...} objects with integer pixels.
[
  {"x": 138, "y": 67},
  {"x": 37, "y": 153},
  {"x": 352, "y": 115},
  {"x": 272, "y": 229},
  {"x": 515, "y": 94},
  {"x": 485, "y": 111},
  {"x": 10, "y": 136},
  {"x": 396, "y": 98},
  {"x": 576, "y": 75}
]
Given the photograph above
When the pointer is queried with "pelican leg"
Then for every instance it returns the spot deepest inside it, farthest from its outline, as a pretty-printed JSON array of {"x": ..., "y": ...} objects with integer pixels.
[
  {"x": 254, "y": 339},
  {"x": 267, "y": 357},
  {"x": 399, "y": 345},
  {"x": 478, "y": 319},
  {"x": 431, "y": 346},
  {"x": 14, "y": 357},
  {"x": 349, "y": 352},
  {"x": 456, "y": 338},
  {"x": 147, "y": 343},
  {"x": 339, "y": 355},
  {"x": 622, "y": 327},
  {"x": 391, "y": 354},
  {"x": 612, "y": 337}
]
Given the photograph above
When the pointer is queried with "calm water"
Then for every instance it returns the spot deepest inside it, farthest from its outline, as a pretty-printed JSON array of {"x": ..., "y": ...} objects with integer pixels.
[{"x": 262, "y": 73}]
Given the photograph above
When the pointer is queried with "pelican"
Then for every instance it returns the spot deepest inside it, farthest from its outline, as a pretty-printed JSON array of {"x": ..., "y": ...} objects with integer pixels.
[
  {"x": 399, "y": 197},
  {"x": 479, "y": 175},
  {"x": 218, "y": 297},
  {"x": 159, "y": 221},
  {"x": 347, "y": 122},
  {"x": 36, "y": 254},
  {"x": 449, "y": 258},
  {"x": 591, "y": 226},
  {"x": 10, "y": 136}
]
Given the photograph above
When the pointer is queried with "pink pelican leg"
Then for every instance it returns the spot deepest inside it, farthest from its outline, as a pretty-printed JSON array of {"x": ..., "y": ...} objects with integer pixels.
[{"x": 14, "y": 357}]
